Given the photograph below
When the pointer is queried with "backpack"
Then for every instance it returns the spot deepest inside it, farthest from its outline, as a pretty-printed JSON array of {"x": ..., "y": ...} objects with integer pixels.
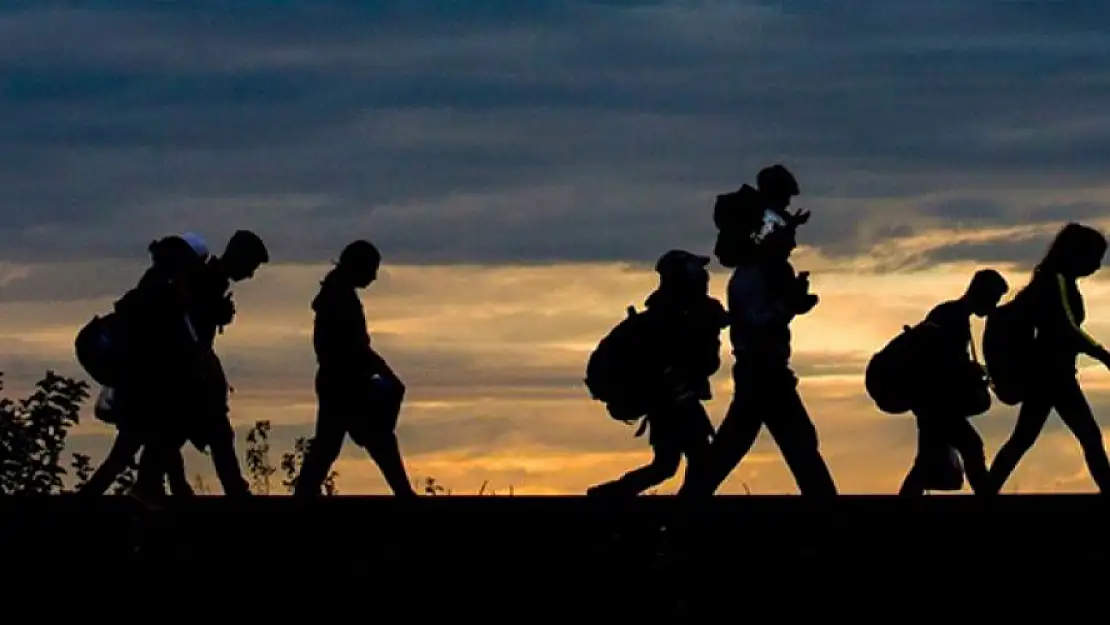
[
  {"x": 622, "y": 370},
  {"x": 386, "y": 396},
  {"x": 737, "y": 213},
  {"x": 1007, "y": 347},
  {"x": 892, "y": 371},
  {"x": 740, "y": 210},
  {"x": 97, "y": 349}
]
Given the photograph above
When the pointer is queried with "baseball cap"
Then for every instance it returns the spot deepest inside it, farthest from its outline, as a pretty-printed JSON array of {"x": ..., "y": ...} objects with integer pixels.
[{"x": 676, "y": 261}]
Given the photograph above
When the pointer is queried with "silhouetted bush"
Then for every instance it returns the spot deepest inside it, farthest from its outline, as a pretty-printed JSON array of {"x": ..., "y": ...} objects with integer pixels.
[{"x": 33, "y": 433}]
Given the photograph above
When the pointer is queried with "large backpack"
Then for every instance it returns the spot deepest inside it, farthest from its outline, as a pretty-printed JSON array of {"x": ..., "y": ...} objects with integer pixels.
[
  {"x": 1007, "y": 346},
  {"x": 892, "y": 372},
  {"x": 97, "y": 349},
  {"x": 624, "y": 369}
]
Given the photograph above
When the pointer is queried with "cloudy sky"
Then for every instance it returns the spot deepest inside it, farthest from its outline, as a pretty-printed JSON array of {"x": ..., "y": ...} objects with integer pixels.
[{"x": 521, "y": 164}]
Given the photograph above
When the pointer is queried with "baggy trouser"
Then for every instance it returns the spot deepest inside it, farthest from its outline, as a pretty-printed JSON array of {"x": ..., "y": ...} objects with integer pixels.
[
  {"x": 131, "y": 437},
  {"x": 680, "y": 429},
  {"x": 347, "y": 407},
  {"x": 766, "y": 394},
  {"x": 214, "y": 433}
]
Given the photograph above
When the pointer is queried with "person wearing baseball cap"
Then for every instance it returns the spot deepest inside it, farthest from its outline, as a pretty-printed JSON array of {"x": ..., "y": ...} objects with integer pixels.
[
  {"x": 681, "y": 264},
  {"x": 685, "y": 339}
]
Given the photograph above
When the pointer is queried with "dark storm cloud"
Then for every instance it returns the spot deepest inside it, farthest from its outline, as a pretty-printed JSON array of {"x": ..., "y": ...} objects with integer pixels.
[{"x": 531, "y": 131}]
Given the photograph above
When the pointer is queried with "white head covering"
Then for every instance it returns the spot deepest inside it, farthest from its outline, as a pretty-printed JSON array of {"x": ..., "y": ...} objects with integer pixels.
[{"x": 196, "y": 242}]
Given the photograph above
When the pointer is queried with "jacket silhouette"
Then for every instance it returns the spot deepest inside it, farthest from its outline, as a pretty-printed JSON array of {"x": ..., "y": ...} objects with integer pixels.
[
  {"x": 162, "y": 373},
  {"x": 211, "y": 310},
  {"x": 357, "y": 392},
  {"x": 157, "y": 340},
  {"x": 765, "y": 294}
]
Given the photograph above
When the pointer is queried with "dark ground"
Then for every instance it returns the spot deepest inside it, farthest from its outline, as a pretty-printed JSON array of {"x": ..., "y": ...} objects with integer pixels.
[{"x": 553, "y": 556}]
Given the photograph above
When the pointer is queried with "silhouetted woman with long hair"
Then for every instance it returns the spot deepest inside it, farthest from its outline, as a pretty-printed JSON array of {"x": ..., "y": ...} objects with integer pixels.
[{"x": 1055, "y": 307}]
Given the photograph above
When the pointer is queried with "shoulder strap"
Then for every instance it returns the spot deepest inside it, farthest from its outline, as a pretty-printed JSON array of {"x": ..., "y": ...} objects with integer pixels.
[{"x": 1065, "y": 301}]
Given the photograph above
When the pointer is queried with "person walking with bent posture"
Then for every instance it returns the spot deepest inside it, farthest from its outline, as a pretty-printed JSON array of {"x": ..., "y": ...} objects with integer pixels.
[{"x": 357, "y": 392}]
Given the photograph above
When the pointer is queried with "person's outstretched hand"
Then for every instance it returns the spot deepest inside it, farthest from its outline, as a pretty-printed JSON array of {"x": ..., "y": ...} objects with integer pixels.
[
  {"x": 800, "y": 216},
  {"x": 803, "y": 281},
  {"x": 804, "y": 300},
  {"x": 808, "y": 302}
]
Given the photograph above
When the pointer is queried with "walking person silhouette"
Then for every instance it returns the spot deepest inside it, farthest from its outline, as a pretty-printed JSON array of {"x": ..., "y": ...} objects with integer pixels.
[
  {"x": 951, "y": 388},
  {"x": 156, "y": 370},
  {"x": 357, "y": 392},
  {"x": 756, "y": 238},
  {"x": 212, "y": 311},
  {"x": 1044, "y": 346},
  {"x": 683, "y": 335}
]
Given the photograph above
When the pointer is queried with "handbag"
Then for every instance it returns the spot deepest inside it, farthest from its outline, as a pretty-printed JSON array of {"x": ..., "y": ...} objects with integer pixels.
[
  {"x": 966, "y": 389},
  {"x": 384, "y": 397},
  {"x": 971, "y": 391},
  {"x": 945, "y": 470}
]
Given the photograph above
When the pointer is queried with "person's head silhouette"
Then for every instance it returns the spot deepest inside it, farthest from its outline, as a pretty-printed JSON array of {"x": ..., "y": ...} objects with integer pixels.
[
  {"x": 683, "y": 272},
  {"x": 177, "y": 261},
  {"x": 1076, "y": 252},
  {"x": 244, "y": 254},
  {"x": 985, "y": 291},
  {"x": 360, "y": 261},
  {"x": 777, "y": 186}
]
